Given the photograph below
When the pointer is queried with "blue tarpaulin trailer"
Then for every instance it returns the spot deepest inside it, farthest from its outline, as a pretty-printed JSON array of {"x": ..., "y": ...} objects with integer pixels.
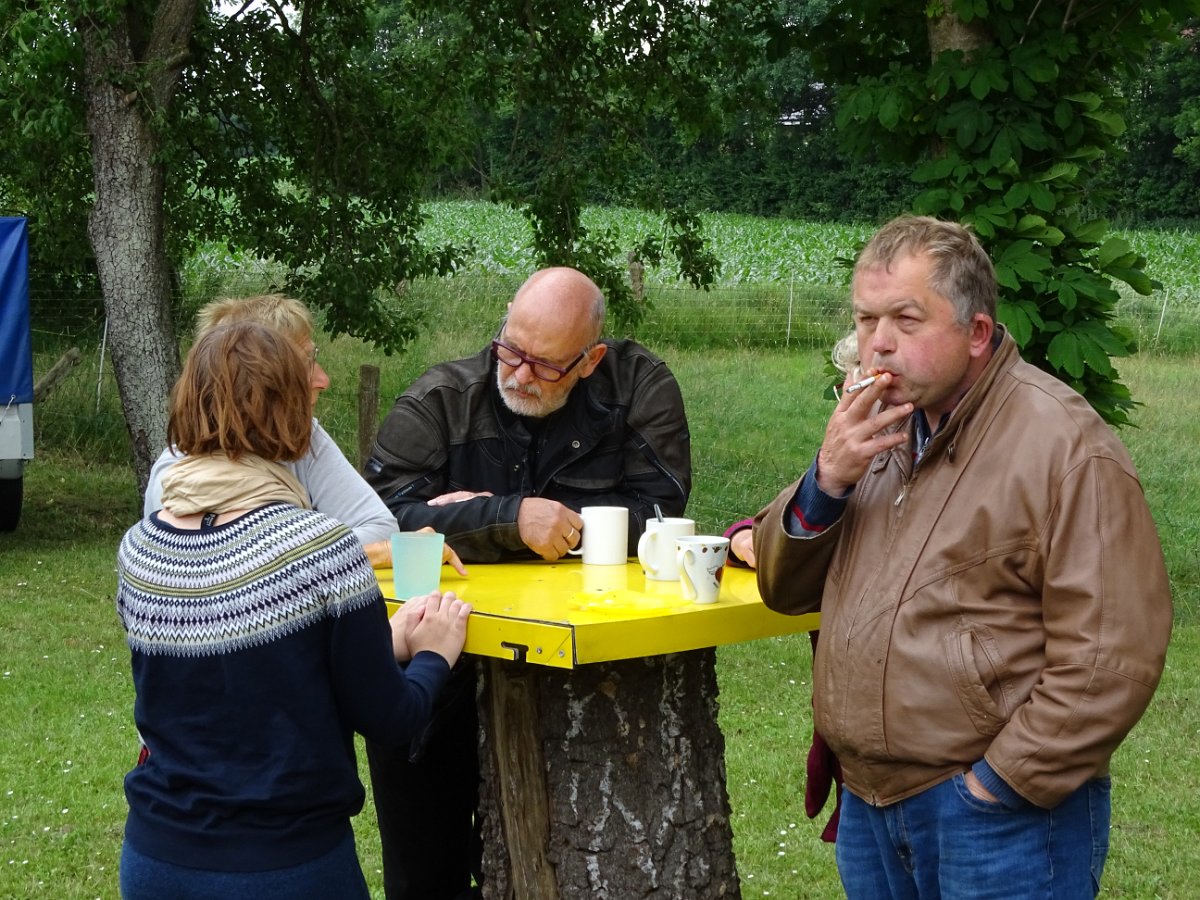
[{"x": 16, "y": 368}]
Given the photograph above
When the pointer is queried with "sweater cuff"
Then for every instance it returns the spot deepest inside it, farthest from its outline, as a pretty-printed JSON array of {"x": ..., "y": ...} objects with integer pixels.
[
  {"x": 738, "y": 526},
  {"x": 813, "y": 510},
  {"x": 734, "y": 560},
  {"x": 999, "y": 788}
]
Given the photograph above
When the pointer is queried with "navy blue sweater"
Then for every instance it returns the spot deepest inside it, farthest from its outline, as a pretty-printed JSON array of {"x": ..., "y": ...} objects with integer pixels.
[{"x": 258, "y": 648}]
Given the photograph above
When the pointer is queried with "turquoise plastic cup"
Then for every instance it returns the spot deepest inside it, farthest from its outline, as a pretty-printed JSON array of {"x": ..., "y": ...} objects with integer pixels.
[{"x": 416, "y": 563}]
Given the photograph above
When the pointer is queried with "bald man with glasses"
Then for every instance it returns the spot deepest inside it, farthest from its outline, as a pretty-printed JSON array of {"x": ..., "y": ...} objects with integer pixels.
[{"x": 499, "y": 452}]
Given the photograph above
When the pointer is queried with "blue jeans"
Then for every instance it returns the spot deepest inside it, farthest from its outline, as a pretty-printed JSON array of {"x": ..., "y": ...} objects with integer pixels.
[
  {"x": 945, "y": 843},
  {"x": 336, "y": 874}
]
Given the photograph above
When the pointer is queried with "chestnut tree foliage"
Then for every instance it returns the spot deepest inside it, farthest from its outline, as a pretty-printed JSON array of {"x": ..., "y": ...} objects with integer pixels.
[
  {"x": 1005, "y": 109},
  {"x": 308, "y": 132}
]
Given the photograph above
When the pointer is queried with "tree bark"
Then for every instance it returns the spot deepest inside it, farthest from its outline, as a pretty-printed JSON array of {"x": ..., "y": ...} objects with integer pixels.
[
  {"x": 947, "y": 31},
  {"x": 126, "y": 84},
  {"x": 606, "y": 781}
]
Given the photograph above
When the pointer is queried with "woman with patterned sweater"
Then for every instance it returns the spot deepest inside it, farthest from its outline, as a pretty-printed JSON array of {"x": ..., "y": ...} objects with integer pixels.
[{"x": 259, "y": 644}]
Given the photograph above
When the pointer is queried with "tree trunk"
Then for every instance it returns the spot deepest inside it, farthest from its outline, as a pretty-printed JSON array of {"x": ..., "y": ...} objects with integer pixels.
[
  {"x": 947, "y": 31},
  {"x": 124, "y": 85},
  {"x": 606, "y": 781}
]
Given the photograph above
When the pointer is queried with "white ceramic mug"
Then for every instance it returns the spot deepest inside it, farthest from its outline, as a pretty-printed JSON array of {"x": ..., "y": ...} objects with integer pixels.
[
  {"x": 701, "y": 560},
  {"x": 604, "y": 538},
  {"x": 657, "y": 550}
]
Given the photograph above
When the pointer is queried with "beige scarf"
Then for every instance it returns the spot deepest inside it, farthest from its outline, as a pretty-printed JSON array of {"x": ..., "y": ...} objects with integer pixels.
[{"x": 215, "y": 483}]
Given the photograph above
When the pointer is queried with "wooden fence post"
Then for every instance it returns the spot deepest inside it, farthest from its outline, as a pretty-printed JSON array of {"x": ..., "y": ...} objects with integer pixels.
[{"x": 368, "y": 410}]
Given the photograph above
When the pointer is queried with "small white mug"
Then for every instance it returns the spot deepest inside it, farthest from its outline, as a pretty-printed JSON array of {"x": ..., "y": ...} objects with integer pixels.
[
  {"x": 657, "y": 550},
  {"x": 604, "y": 538},
  {"x": 701, "y": 560}
]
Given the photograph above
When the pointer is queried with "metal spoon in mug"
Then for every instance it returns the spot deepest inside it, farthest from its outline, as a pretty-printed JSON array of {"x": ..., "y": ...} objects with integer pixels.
[{"x": 658, "y": 512}]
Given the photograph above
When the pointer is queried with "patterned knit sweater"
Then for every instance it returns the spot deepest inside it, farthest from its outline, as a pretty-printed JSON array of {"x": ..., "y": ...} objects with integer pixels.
[{"x": 258, "y": 647}]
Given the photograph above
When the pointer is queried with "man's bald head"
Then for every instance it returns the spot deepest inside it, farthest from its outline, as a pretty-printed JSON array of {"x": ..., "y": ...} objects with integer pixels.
[{"x": 560, "y": 300}]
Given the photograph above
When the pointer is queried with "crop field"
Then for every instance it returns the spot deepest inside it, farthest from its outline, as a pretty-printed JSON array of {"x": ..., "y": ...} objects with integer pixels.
[
  {"x": 780, "y": 283},
  {"x": 751, "y": 250}
]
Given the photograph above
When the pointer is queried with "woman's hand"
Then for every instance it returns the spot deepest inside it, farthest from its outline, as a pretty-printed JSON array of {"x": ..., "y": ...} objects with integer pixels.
[
  {"x": 442, "y": 626},
  {"x": 449, "y": 557},
  {"x": 741, "y": 545},
  {"x": 403, "y": 621}
]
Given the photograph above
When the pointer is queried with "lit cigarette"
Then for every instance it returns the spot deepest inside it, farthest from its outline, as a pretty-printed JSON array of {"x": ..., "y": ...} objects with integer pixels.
[{"x": 859, "y": 385}]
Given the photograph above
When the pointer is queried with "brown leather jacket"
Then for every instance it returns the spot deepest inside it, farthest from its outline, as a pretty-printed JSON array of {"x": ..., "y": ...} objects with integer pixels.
[{"x": 1006, "y": 599}]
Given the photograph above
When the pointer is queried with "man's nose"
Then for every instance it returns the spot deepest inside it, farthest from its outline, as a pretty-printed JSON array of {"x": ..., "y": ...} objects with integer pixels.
[
  {"x": 524, "y": 373},
  {"x": 883, "y": 339}
]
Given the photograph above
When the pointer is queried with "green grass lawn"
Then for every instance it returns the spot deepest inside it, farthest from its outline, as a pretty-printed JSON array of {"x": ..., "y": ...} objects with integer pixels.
[{"x": 756, "y": 418}]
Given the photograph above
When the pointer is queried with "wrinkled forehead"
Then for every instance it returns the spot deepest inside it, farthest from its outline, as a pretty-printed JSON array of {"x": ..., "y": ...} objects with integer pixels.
[{"x": 546, "y": 332}]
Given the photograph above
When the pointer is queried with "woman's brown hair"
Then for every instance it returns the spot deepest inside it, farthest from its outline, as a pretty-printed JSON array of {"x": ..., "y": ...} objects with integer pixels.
[{"x": 244, "y": 389}]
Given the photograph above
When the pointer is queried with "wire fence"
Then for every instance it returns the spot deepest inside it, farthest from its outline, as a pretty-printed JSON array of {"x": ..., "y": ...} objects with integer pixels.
[
  {"x": 784, "y": 313},
  {"x": 460, "y": 314}
]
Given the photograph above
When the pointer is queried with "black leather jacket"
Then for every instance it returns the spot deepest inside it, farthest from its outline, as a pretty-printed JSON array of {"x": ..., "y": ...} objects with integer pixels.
[{"x": 621, "y": 440}]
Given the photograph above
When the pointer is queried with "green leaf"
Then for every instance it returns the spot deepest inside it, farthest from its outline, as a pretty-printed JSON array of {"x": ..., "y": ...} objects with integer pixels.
[
  {"x": 1016, "y": 320},
  {"x": 1025, "y": 263},
  {"x": 1112, "y": 250},
  {"x": 1135, "y": 278},
  {"x": 1042, "y": 198},
  {"x": 1088, "y": 100},
  {"x": 931, "y": 202},
  {"x": 1016, "y": 196},
  {"x": 1064, "y": 353},
  {"x": 1037, "y": 66},
  {"x": 1112, "y": 343},
  {"x": 1109, "y": 122},
  {"x": 1004, "y": 147},
  {"x": 1024, "y": 89},
  {"x": 1029, "y": 225},
  {"x": 1059, "y": 170},
  {"x": 1064, "y": 114},
  {"x": 889, "y": 112},
  {"x": 1066, "y": 296},
  {"x": 1095, "y": 357},
  {"x": 1091, "y": 232},
  {"x": 1007, "y": 278},
  {"x": 1031, "y": 135},
  {"x": 988, "y": 76},
  {"x": 968, "y": 128},
  {"x": 1036, "y": 228}
]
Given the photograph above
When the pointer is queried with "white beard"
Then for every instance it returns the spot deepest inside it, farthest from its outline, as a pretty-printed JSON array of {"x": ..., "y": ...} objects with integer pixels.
[{"x": 526, "y": 400}]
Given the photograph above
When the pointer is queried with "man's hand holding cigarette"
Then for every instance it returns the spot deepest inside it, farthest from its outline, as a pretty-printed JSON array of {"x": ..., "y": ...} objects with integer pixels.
[{"x": 852, "y": 436}]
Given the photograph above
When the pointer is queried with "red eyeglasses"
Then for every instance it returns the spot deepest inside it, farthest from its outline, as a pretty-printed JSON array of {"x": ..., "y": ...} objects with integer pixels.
[{"x": 543, "y": 371}]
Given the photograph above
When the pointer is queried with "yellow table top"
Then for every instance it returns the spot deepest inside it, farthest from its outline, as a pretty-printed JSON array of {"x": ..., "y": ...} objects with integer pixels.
[{"x": 565, "y": 613}]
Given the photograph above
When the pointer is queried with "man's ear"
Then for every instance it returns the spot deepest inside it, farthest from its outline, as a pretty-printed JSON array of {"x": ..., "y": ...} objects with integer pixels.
[
  {"x": 982, "y": 328},
  {"x": 588, "y": 366}
]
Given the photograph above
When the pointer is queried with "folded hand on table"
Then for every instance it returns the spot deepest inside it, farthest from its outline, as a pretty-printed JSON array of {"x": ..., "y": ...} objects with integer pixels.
[{"x": 436, "y": 622}]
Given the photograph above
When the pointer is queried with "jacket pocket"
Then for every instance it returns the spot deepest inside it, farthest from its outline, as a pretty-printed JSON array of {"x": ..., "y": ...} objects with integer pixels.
[{"x": 980, "y": 675}]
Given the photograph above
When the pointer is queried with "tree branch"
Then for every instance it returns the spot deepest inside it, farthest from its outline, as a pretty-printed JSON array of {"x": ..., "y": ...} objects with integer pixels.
[{"x": 167, "y": 50}]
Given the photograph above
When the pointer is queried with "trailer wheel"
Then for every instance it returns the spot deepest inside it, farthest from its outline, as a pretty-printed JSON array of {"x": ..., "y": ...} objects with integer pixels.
[{"x": 11, "y": 491}]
